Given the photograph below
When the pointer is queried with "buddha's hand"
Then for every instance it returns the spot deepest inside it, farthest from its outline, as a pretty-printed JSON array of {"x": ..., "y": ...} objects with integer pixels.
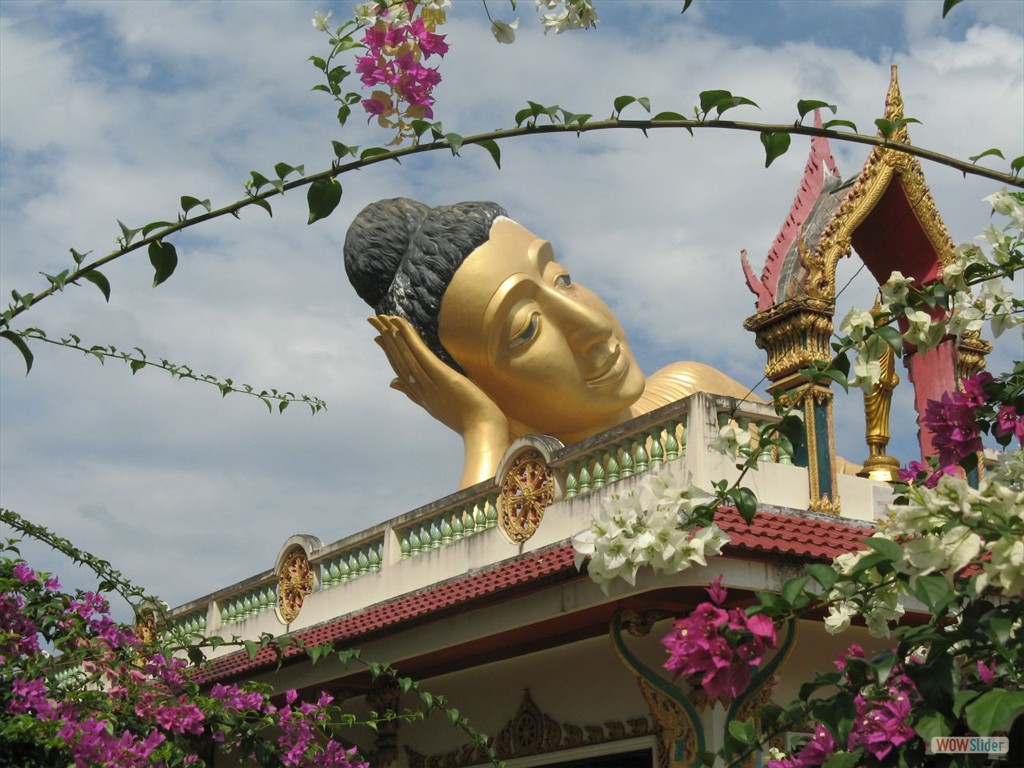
[{"x": 428, "y": 381}]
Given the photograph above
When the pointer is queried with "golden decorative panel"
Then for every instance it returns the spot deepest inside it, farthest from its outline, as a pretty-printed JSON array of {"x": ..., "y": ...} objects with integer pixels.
[
  {"x": 294, "y": 582},
  {"x": 527, "y": 489}
]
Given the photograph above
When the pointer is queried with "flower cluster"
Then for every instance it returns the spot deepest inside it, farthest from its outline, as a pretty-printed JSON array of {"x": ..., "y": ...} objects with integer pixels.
[
  {"x": 953, "y": 421},
  {"x": 859, "y": 327},
  {"x": 567, "y": 14},
  {"x": 102, "y": 697},
  {"x": 718, "y": 649},
  {"x": 399, "y": 35},
  {"x": 882, "y": 723},
  {"x": 872, "y": 595},
  {"x": 648, "y": 525}
]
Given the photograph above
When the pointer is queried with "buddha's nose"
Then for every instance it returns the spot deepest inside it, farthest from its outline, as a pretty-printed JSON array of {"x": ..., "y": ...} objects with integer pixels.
[{"x": 584, "y": 326}]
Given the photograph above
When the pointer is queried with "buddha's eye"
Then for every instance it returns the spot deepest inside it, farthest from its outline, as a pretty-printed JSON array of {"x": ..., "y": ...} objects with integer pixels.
[
  {"x": 564, "y": 280},
  {"x": 527, "y": 333}
]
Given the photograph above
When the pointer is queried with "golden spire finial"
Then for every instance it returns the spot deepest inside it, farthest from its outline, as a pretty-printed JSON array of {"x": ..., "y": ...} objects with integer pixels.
[{"x": 894, "y": 108}]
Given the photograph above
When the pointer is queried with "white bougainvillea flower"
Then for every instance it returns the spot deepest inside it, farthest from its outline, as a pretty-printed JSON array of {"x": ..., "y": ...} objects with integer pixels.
[
  {"x": 321, "y": 21},
  {"x": 896, "y": 290},
  {"x": 923, "y": 330},
  {"x": 733, "y": 441},
  {"x": 647, "y": 526},
  {"x": 857, "y": 323},
  {"x": 503, "y": 32}
]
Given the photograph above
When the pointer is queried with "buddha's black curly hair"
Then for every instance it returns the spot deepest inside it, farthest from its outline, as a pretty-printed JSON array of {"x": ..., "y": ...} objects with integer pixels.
[{"x": 401, "y": 255}]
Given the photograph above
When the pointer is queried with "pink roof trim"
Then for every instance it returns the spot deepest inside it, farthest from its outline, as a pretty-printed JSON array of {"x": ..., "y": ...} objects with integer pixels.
[{"x": 819, "y": 162}]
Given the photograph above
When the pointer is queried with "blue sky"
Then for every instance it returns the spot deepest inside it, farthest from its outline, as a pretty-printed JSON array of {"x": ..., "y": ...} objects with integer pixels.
[{"x": 113, "y": 110}]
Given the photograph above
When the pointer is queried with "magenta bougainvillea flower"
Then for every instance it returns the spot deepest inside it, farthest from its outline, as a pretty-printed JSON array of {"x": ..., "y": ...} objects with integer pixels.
[{"x": 718, "y": 649}]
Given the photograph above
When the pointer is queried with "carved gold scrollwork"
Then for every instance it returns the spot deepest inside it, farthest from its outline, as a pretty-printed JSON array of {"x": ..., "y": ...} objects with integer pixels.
[
  {"x": 971, "y": 355},
  {"x": 527, "y": 489},
  {"x": 531, "y": 731},
  {"x": 294, "y": 582}
]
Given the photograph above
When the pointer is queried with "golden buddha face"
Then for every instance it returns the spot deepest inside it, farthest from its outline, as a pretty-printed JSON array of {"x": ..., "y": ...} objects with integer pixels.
[{"x": 547, "y": 351}]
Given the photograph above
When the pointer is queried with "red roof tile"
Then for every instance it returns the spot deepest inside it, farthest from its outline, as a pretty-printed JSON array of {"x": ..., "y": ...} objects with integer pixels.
[{"x": 801, "y": 535}]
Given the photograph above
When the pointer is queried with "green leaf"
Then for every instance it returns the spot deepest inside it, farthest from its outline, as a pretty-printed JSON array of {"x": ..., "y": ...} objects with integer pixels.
[
  {"x": 323, "y": 197},
  {"x": 258, "y": 180},
  {"x": 794, "y": 588},
  {"x": 892, "y": 551},
  {"x": 493, "y": 149},
  {"x": 838, "y": 377},
  {"x": 78, "y": 257},
  {"x": 844, "y": 759},
  {"x": 722, "y": 101},
  {"x": 97, "y": 278},
  {"x": 868, "y": 562},
  {"x": 454, "y": 141},
  {"x": 934, "y": 680},
  {"x": 188, "y": 203},
  {"x": 1017, "y": 164},
  {"x": 947, "y": 6},
  {"x": 746, "y": 502},
  {"x": 57, "y": 281},
  {"x": 128, "y": 233},
  {"x": 283, "y": 169},
  {"x": 933, "y": 591},
  {"x": 164, "y": 259},
  {"x": 844, "y": 123},
  {"x": 621, "y": 103},
  {"x": 809, "y": 105},
  {"x": 742, "y": 731},
  {"x": 775, "y": 145},
  {"x": 667, "y": 116},
  {"x": 891, "y": 337},
  {"x": 369, "y": 152},
  {"x": 251, "y": 648},
  {"x": 154, "y": 225},
  {"x": 823, "y": 574},
  {"x": 522, "y": 115},
  {"x": 994, "y": 711},
  {"x": 340, "y": 150},
  {"x": 986, "y": 153},
  {"x": 137, "y": 365},
  {"x": 264, "y": 204},
  {"x": 19, "y": 342},
  {"x": 686, "y": 4},
  {"x": 708, "y": 99},
  {"x": 932, "y": 725}
]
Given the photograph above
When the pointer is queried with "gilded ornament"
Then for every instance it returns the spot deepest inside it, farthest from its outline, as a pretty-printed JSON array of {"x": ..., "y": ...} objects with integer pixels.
[
  {"x": 527, "y": 489},
  {"x": 294, "y": 582}
]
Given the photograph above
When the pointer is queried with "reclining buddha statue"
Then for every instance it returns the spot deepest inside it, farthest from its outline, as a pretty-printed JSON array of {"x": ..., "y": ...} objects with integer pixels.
[{"x": 488, "y": 333}]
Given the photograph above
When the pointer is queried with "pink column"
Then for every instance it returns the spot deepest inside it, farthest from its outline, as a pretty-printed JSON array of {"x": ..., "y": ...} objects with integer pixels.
[{"x": 932, "y": 373}]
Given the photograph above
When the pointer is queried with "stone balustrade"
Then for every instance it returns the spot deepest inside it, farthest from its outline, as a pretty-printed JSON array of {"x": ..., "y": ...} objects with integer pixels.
[{"x": 383, "y": 561}]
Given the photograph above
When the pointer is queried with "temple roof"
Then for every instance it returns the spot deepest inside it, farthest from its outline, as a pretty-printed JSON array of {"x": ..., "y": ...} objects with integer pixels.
[
  {"x": 819, "y": 194},
  {"x": 774, "y": 534},
  {"x": 885, "y": 212}
]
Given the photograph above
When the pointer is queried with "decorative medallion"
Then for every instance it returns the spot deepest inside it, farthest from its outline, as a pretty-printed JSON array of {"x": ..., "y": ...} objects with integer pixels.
[
  {"x": 294, "y": 582},
  {"x": 145, "y": 626},
  {"x": 527, "y": 489}
]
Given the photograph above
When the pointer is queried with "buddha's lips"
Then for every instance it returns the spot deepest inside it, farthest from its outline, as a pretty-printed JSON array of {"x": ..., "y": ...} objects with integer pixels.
[{"x": 607, "y": 372}]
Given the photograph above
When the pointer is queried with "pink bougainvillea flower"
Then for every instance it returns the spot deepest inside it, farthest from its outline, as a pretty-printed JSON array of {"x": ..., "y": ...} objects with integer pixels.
[{"x": 1009, "y": 423}]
